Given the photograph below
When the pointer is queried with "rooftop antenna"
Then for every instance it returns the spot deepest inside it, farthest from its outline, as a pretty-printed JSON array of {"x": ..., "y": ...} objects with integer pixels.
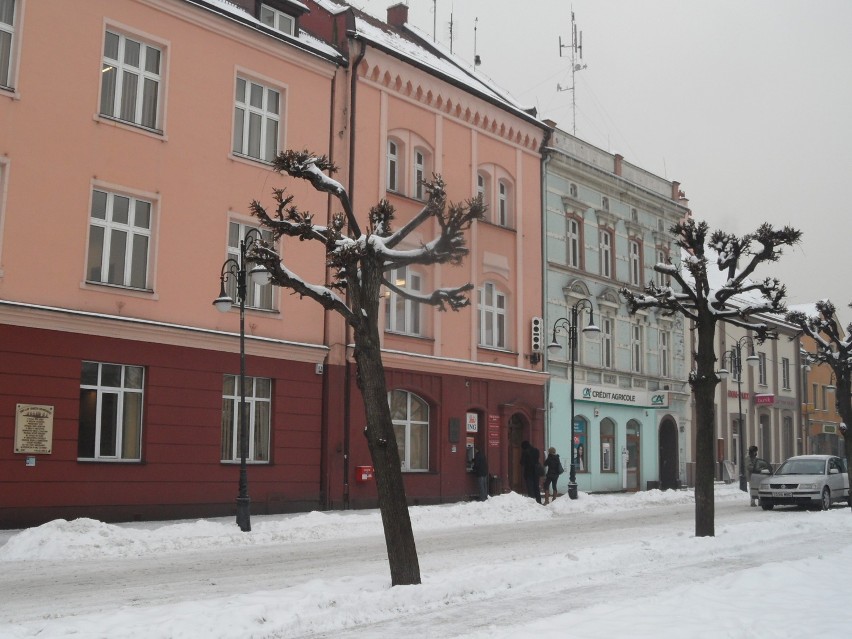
[
  {"x": 451, "y": 32},
  {"x": 434, "y": 19},
  {"x": 576, "y": 48},
  {"x": 476, "y": 59}
]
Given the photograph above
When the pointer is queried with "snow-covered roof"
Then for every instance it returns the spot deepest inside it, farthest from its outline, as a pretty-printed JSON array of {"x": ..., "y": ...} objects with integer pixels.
[
  {"x": 411, "y": 44},
  {"x": 310, "y": 42}
]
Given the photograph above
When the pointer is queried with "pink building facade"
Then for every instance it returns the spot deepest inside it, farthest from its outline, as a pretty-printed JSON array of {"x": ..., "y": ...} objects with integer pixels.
[{"x": 124, "y": 188}]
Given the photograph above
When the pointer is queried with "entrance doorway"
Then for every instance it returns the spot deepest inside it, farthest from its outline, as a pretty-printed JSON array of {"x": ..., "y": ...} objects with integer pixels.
[
  {"x": 633, "y": 448},
  {"x": 669, "y": 462},
  {"x": 518, "y": 432}
]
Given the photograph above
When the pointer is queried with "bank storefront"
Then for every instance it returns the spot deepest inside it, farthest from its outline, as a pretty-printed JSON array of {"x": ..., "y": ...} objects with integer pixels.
[{"x": 624, "y": 440}]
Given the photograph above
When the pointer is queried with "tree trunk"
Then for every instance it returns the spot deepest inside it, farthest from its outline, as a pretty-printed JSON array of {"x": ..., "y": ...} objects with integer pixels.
[
  {"x": 844, "y": 407},
  {"x": 704, "y": 389},
  {"x": 381, "y": 439}
]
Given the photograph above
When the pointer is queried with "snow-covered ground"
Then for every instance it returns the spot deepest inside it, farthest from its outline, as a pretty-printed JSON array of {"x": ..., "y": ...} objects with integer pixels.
[{"x": 624, "y": 565}]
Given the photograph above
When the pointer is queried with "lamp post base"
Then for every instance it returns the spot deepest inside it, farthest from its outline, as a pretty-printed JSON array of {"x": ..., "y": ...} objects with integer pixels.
[
  {"x": 244, "y": 513},
  {"x": 572, "y": 491},
  {"x": 743, "y": 484}
]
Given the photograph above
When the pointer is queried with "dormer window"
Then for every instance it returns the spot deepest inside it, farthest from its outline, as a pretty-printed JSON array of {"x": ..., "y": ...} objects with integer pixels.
[{"x": 277, "y": 20}]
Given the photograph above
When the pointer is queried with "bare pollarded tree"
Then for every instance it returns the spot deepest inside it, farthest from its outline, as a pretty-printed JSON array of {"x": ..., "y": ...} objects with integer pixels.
[
  {"x": 694, "y": 297},
  {"x": 359, "y": 263},
  {"x": 834, "y": 349}
]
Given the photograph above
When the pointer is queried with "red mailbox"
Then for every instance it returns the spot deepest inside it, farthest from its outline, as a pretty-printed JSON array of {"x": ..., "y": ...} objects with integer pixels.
[{"x": 363, "y": 473}]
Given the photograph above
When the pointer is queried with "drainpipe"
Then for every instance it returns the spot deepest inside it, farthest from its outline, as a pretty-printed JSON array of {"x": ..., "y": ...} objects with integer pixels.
[
  {"x": 546, "y": 156},
  {"x": 347, "y": 377}
]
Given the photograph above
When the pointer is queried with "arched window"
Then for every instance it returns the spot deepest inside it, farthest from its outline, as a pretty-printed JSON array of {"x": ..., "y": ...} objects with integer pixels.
[
  {"x": 504, "y": 204},
  {"x": 635, "y": 263},
  {"x": 483, "y": 187},
  {"x": 419, "y": 176},
  {"x": 403, "y": 315},
  {"x": 410, "y": 415},
  {"x": 492, "y": 316}
]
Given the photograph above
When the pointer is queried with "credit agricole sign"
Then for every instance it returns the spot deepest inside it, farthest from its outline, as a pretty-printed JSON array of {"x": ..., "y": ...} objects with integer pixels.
[{"x": 604, "y": 395}]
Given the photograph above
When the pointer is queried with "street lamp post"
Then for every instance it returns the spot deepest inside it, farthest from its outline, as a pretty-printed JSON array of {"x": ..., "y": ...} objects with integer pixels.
[
  {"x": 236, "y": 271},
  {"x": 735, "y": 358},
  {"x": 569, "y": 326}
]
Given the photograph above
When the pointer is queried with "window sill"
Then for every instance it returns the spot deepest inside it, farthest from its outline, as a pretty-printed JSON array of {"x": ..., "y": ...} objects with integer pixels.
[
  {"x": 249, "y": 462},
  {"x": 411, "y": 335},
  {"x": 249, "y": 160},
  {"x": 11, "y": 93},
  {"x": 155, "y": 134},
  {"x": 496, "y": 349},
  {"x": 144, "y": 293},
  {"x": 104, "y": 460},
  {"x": 511, "y": 229}
]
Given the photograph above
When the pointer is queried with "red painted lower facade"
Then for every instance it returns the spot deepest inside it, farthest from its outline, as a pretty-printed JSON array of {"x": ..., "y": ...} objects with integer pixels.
[{"x": 316, "y": 433}]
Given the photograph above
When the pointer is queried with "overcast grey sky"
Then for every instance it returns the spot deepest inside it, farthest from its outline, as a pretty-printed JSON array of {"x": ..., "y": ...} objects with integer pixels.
[{"x": 747, "y": 103}]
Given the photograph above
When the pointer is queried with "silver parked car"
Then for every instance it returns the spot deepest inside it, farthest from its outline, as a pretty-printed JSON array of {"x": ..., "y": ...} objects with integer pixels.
[{"x": 806, "y": 480}]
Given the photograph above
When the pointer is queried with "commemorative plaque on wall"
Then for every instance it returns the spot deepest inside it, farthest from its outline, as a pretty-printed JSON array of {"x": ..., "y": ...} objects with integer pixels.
[{"x": 34, "y": 429}]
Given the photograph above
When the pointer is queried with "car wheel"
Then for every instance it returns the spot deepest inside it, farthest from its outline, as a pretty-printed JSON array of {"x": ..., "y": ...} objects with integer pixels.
[
  {"x": 825, "y": 502},
  {"x": 766, "y": 505}
]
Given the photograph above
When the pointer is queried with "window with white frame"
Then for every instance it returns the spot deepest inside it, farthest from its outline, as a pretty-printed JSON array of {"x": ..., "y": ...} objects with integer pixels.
[
  {"x": 421, "y": 166},
  {"x": 785, "y": 373},
  {"x": 277, "y": 20},
  {"x": 119, "y": 240},
  {"x": 110, "y": 426},
  {"x": 130, "y": 80},
  {"x": 606, "y": 343},
  {"x": 257, "y": 120},
  {"x": 483, "y": 187},
  {"x": 259, "y": 296},
  {"x": 637, "y": 348},
  {"x": 7, "y": 42},
  {"x": 393, "y": 166},
  {"x": 403, "y": 315},
  {"x": 606, "y": 252},
  {"x": 635, "y": 263},
  {"x": 605, "y": 203},
  {"x": 504, "y": 204},
  {"x": 761, "y": 369},
  {"x": 661, "y": 279},
  {"x": 665, "y": 353},
  {"x": 410, "y": 415},
  {"x": 492, "y": 316},
  {"x": 572, "y": 190},
  {"x": 258, "y": 410},
  {"x": 573, "y": 241}
]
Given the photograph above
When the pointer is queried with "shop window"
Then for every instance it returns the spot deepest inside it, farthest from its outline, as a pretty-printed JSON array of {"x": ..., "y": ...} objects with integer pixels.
[{"x": 607, "y": 440}]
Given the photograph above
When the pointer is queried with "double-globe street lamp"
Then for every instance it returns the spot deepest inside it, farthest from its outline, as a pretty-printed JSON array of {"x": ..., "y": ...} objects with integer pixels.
[
  {"x": 235, "y": 271},
  {"x": 735, "y": 359},
  {"x": 569, "y": 326}
]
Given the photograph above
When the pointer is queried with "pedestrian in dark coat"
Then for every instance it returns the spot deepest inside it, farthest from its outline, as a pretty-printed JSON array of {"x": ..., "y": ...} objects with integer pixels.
[
  {"x": 553, "y": 468},
  {"x": 530, "y": 460}
]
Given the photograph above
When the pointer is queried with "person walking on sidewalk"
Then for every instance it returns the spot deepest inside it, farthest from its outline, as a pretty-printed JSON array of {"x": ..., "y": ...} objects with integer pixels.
[{"x": 553, "y": 468}]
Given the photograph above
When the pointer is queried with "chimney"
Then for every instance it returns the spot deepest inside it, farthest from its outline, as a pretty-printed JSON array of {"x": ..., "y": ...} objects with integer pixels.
[
  {"x": 618, "y": 159},
  {"x": 675, "y": 191},
  {"x": 398, "y": 14}
]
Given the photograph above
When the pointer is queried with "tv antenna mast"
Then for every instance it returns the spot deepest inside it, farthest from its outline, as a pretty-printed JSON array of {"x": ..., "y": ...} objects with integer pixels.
[{"x": 576, "y": 47}]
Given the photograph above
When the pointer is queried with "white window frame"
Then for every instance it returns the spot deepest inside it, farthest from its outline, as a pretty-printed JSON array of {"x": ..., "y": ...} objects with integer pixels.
[
  {"x": 258, "y": 395},
  {"x": 761, "y": 369},
  {"x": 661, "y": 278},
  {"x": 665, "y": 353},
  {"x": 111, "y": 230},
  {"x": 264, "y": 143},
  {"x": 483, "y": 182},
  {"x": 605, "y": 203},
  {"x": 635, "y": 262},
  {"x": 117, "y": 99},
  {"x": 607, "y": 343},
  {"x": 128, "y": 398},
  {"x": 605, "y": 240},
  {"x": 258, "y": 296},
  {"x": 404, "y": 426},
  {"x": 637, "y": 348},
  {"x": 573, "y": 242},
  {"x": 394, "y": 155},
  {"x": 404, "y": 315},
  {"x": 9, "y": 45},
  {"x": 273, "y": 18},
  {"x": 419, "y": 163},
  {"x": 785, "y": 373},
  {"x": 492, "y": 316},
  {"x": 504, "y": 204}
]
